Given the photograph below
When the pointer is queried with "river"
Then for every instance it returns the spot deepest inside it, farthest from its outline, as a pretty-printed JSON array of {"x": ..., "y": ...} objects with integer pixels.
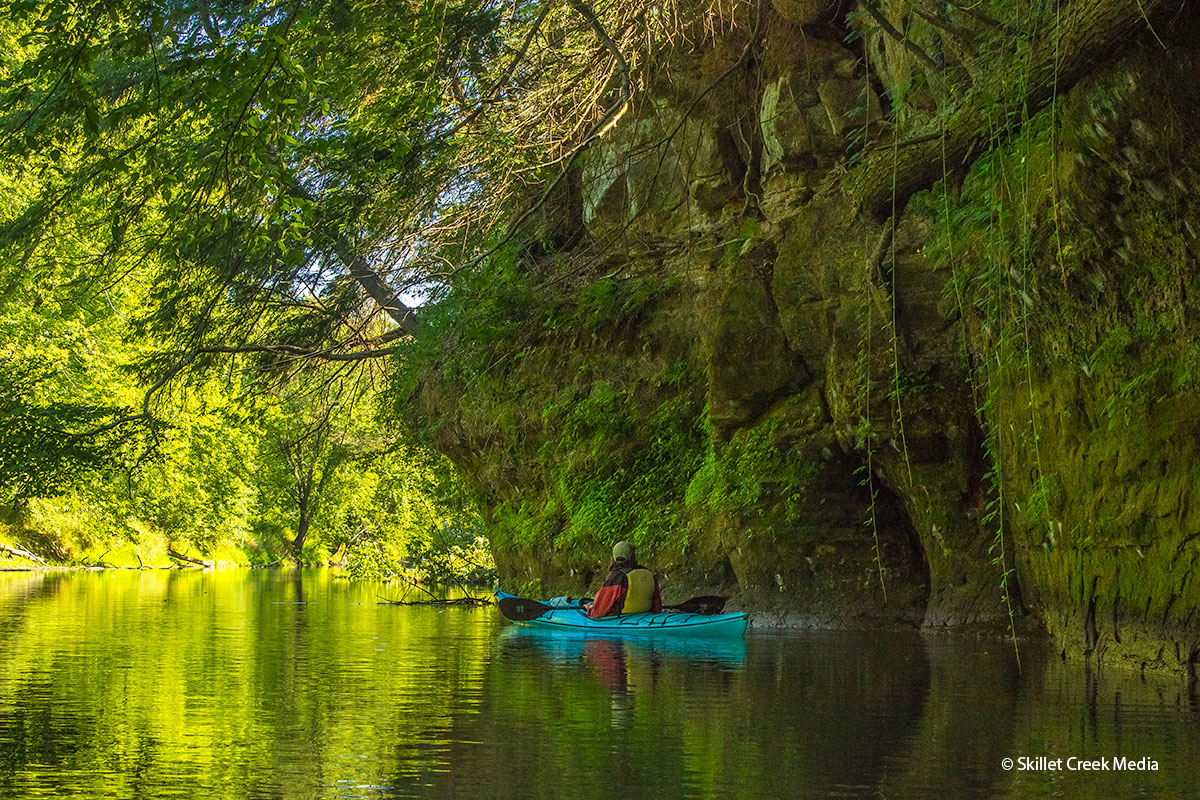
[{"x": 268, "y": 684}]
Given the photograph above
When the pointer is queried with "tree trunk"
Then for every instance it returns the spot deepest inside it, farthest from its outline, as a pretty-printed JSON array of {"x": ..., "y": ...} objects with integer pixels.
[
  {"x": 178, "y": 556},
  {"x": 376, "y": 288},
  {"x": 20, "y": 552},
  {"x": 301, "y": 529},
  {"x": 1087, "y": 31}
]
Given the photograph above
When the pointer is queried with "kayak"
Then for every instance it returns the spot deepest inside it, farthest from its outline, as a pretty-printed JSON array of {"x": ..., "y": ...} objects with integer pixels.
[{"x": 675, "y": 623}]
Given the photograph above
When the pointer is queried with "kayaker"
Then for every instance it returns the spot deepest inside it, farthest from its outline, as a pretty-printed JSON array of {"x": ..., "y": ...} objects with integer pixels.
[{"x": 629, "y": 588}]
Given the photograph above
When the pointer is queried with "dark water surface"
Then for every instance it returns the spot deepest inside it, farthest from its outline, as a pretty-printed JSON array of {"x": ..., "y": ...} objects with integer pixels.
[{"x": 288, "y": 685}]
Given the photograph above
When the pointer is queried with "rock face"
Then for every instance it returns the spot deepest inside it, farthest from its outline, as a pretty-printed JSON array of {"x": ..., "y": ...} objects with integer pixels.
[{"x": 981, "y": 410}]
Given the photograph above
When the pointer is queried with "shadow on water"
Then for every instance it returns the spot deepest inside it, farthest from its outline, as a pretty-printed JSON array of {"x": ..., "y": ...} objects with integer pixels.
[{"x": 966, "y": 725}]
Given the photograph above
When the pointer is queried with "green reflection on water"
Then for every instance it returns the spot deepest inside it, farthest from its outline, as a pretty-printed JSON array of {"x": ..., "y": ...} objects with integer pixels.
[
  {"x": 296, "y": 684},
  {"x": 221, "y": 684}
]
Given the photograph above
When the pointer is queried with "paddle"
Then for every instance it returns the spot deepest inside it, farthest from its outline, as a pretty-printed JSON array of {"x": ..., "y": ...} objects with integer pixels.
[
  {"x": 704, "y": 604},
  {"x": 521, "y": 609}
]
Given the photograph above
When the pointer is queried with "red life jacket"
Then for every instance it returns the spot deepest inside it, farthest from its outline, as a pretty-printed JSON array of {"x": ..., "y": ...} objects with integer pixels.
[{"x": 628, "y": 589}]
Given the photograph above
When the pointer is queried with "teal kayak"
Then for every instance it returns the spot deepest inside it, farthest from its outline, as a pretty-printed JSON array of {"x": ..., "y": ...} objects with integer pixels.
[{"x": 674, "y": 623}]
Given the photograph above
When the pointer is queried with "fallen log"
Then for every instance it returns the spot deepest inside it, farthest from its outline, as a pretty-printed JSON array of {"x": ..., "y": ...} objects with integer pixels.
[
  {"x": 21, "y": 552},
  {"x": 196, "y": 562}
]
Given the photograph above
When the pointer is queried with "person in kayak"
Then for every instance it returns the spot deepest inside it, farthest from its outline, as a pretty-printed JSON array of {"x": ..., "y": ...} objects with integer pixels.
[{"x": 629, "y": 588}]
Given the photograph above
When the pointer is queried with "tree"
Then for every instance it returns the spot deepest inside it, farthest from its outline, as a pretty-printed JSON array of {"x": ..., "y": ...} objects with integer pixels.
[
  {"x": 191, "y": 181},
  {"x": 282, "y": 166},
  {"x": 39, "y": 454},
  {"x": 311, "y": 435}
]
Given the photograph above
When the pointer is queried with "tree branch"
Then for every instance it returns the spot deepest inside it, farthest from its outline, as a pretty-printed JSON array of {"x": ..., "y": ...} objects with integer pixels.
[
  {"x": 518, "y": 57},
  {"x": 903, "y": 39},
  {"x": 298, "y": 352},
  {"x": 173, "y": 553},
  {"x": 376, "y": 288},
  {"x": 610, "y": 118},
  {"x": 972, "y": 12},
  {"x": 622, "y": 65},
  {"x": 963, "y": 37},
  {"x": 21, "y": 553},
  {"x": 755, "y": 37}
]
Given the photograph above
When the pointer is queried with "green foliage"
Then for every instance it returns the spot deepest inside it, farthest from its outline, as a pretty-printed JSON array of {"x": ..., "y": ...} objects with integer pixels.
[
  {"x": 189, "y": 484},
  {"x": 752, "y": 475},
  {"x": 214, "y": 473},
  {"x": 418, "y": 521},
  {"x": 46, "y": 444},
  {"x": 619, "y": 467},
  {"x": 616, "y": 450},
  {"x": 198, "y": 487},
  {"x": 451, "y": 556},
  {"x": 182, "y": 180}
]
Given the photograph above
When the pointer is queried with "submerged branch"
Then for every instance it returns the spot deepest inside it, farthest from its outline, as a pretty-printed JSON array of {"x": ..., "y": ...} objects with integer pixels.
[
  {"x": 469, "y": 602},
  {"x": 173, "y": 553}
]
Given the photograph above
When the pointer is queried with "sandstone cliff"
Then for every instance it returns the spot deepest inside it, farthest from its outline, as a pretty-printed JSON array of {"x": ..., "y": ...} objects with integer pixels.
[{"x": 864, "y": 313}]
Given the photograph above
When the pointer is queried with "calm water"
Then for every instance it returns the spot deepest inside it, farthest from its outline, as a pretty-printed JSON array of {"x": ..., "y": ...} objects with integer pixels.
[{"x": 288, "y": 685}]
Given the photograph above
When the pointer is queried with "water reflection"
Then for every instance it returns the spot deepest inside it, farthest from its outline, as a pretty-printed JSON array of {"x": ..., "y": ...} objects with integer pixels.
[
  {"x": 622, "y": 665},
  {"x": 294, "y": 684},
  {"x": 569, "y": 646},
  {"x": 733, "y": 718}
]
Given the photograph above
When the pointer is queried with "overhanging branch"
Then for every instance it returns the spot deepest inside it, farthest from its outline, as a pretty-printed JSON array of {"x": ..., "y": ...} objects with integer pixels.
[
  {"x": 145, "y": 416},
  {"x": 611, "y": 116},
  {"x": 375, "y": 287},
  {"x": 298, "y": 352}
]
